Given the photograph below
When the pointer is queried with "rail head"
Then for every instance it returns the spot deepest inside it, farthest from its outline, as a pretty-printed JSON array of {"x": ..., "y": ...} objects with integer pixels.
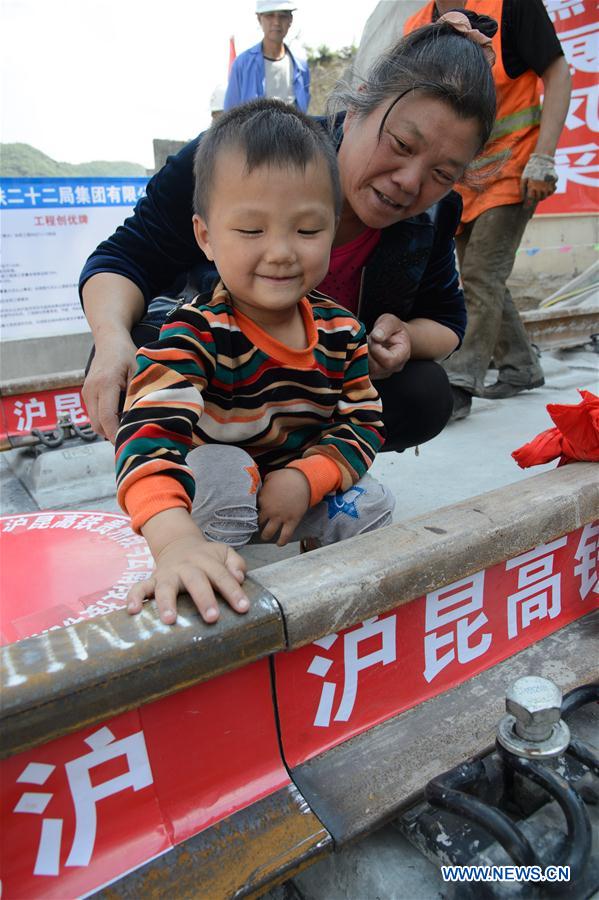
[
  {"x": 65, "y": 679},
  {"x": 342, "y": 585},
  {"x": 52, "y": 381}
]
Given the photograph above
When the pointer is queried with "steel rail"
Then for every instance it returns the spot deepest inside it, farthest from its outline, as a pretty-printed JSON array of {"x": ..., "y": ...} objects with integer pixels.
[
  {"x": 554, "y": 329},
  {"x": 60, "y": 681}
]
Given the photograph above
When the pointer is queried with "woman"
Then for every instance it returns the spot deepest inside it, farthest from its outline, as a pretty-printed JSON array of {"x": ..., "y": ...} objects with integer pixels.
[{"x": 409, "y": 133}]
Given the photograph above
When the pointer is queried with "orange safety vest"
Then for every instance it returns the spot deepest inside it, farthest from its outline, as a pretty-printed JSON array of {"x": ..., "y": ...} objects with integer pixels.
[{"x": 516, "y": 127}]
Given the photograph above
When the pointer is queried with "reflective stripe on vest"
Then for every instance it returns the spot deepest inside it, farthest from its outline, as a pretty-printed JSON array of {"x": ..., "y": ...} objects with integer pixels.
[{"x": 514, "y": 122}]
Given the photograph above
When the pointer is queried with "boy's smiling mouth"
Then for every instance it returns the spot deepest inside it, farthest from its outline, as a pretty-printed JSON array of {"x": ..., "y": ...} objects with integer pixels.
[{"x": 279, "y": 278}]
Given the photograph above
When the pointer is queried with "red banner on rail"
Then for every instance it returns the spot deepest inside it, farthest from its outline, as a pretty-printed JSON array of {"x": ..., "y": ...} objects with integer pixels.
[
  {"x": 577, "y": 158},
  {"x": 346, "y": 683},
  {"x": 78, "y": 812},
  {"x": 21, "y": 413}
]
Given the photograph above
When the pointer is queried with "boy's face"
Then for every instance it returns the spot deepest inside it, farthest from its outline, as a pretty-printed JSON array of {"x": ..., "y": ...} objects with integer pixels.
[{"x": 269, "y": 232}]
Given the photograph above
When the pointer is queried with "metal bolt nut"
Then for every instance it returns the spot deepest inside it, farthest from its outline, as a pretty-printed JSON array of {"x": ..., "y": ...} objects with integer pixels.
[{"x": 535, "y": 704}]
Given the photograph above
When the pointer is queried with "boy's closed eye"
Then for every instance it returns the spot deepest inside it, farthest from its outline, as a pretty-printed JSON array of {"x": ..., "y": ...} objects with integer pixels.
[{"x": 305, "y": 232}]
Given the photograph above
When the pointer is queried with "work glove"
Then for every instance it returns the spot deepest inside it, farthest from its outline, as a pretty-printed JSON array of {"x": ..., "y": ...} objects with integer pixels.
[
  {"x": 540, "y": 167},
  {"x": 539, "y": 179}
]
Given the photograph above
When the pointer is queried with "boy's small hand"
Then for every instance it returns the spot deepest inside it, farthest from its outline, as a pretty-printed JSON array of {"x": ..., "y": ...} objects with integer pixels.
[
  {"x": 283, "y": 501},
  {"x": 191, "y": 563}
]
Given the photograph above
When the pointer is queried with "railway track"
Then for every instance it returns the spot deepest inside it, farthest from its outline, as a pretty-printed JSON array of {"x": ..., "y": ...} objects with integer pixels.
[
  {"x": 553, "y": 329},
  {"x": 267, "y": 762},
  {"x": 269, "y": 741}
]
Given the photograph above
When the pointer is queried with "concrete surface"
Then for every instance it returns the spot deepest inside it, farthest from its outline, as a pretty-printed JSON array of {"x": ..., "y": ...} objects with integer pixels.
[
  {"x": 474, "y": 455},
  {"x": 400, "y": 873}
]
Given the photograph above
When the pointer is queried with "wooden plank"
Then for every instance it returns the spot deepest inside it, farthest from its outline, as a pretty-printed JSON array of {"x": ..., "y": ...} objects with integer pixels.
[
  {"x": 359, "y": 785},
  {"x": 330, "y": 589}
]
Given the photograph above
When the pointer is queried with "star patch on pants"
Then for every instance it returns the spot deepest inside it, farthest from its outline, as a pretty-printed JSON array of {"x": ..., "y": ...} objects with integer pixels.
[{"x": 344, "y": 503}]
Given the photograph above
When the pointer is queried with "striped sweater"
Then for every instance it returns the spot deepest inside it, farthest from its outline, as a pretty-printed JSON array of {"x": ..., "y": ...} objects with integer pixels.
[{"x": 215, "y": 377}]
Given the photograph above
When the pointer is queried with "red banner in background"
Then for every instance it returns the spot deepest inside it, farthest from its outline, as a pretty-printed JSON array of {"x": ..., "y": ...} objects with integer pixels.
[{"x": 577, "y": 157}]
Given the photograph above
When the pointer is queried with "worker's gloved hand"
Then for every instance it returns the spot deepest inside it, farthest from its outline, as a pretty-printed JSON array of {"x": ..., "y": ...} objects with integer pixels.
[{"x": 539, "y": 178}]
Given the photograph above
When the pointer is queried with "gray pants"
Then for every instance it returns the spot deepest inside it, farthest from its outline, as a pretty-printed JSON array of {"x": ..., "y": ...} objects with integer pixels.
[
  {"x": 486, "y": 252},
  {"x": 227, "y": 488}
]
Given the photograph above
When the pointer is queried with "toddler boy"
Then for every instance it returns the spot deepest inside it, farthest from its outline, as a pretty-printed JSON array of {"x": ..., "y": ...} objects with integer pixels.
[{"x": 264, "y": 382}]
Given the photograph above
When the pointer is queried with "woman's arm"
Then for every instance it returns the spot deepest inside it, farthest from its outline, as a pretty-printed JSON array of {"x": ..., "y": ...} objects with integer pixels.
[
  {"x": 557, "y": 85},
  {"x": 431, "y": 340},
  {"x": 392, "y": 342},
  {"x": 438, "y": 316},
  {"x": 144, "y": 257},
  {"x": 112, "y": 305}
]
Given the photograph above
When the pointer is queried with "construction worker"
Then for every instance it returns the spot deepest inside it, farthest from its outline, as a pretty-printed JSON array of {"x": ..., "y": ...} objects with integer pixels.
[
  {"x": 269, "y": 69},
  {"x": 522, "y": 145}
]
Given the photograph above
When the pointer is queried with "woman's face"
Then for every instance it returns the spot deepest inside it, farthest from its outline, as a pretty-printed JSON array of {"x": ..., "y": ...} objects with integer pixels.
[{"x": 422, "y": 152}]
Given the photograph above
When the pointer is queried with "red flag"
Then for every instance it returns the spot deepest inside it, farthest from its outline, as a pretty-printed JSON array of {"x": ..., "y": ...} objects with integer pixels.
[{"x": 232, "y": 53}]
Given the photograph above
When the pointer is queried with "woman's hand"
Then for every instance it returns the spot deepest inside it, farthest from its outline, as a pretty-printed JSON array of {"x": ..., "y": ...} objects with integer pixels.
[
  {"x": 112, "y": 305},
  {"x": 283, "y": 501},
  {"x": 389, "y": 347},
  {"x": 186, "y": 561},
  {"x": 111, "y": 370}
]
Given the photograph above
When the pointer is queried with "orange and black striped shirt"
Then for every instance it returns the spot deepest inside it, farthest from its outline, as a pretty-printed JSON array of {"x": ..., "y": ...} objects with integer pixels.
[{"x": 215, "y": 377}]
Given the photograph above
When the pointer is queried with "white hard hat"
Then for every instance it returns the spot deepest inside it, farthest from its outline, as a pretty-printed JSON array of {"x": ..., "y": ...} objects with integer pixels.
[{"x": 267, "y": 6}]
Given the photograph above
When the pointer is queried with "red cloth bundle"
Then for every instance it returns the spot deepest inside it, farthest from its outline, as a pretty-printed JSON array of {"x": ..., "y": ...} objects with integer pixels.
[{"x": 575, "y": 436}]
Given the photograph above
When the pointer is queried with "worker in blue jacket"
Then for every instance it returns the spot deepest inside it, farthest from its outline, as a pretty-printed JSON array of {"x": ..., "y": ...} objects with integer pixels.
[{"x": 269, "y": 69}]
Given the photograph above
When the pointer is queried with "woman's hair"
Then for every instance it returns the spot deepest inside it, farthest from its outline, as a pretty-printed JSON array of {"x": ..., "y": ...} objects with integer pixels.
[
  {"x": 267, "y": 132},
  {"x": 436, "y": 61}
]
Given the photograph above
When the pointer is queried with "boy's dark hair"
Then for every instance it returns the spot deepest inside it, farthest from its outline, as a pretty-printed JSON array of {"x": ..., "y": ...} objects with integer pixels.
[
  {"x": 268, "y": 132},
  {"x": 435, "y": 61}
]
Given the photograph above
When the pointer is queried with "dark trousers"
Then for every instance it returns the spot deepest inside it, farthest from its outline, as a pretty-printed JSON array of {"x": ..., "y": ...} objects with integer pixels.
[
  {"x": 486, "y": 251},
  {"x": 417, "y": 404}
]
